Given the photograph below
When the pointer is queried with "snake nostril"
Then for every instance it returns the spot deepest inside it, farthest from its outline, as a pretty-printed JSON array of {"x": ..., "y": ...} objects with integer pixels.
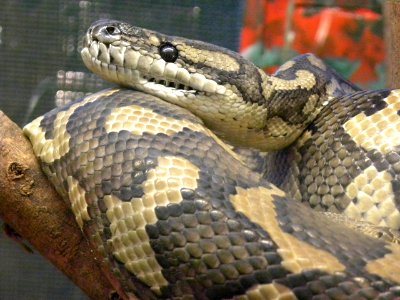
[{"x": 105, "y": 33}]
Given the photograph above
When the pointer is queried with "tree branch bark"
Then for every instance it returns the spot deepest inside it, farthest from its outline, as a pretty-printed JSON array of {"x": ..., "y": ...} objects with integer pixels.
[
  {"x": 31, "y": 206},
  {"x": 392, "y": 42}
]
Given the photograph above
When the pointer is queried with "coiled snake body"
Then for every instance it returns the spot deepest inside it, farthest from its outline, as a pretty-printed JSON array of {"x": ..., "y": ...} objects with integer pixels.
[{"x": 177, "y": 213}]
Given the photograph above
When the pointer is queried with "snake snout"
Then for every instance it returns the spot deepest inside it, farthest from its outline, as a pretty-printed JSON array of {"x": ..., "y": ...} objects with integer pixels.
[{"x": 105, "y": 31}]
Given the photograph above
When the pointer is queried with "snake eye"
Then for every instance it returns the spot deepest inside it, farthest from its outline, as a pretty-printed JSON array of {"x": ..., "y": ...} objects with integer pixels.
[
  {"x": 112, "y": 30},
  {"x": 168, "y": 52}
]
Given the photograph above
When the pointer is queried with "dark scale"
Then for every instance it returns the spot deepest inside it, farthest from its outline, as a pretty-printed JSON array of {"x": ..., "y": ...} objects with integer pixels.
[
  {"x": 329, "y": 160},
  {"x": 289, "y": 104},
  {"x": 203, "y": 245}
]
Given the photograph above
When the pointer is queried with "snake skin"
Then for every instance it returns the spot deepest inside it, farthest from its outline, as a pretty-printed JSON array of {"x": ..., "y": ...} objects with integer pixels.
[
  {"x": 348, "y": 160},
  {"x": 178, "y": 214},
  {"x": 165, "y": 201}
]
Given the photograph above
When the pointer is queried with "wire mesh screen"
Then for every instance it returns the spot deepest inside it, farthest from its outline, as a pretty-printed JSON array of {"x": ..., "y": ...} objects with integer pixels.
[{"x": 40, "y": 66}]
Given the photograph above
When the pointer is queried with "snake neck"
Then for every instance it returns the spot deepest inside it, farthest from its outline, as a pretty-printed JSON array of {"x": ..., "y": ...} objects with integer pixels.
[{"x": 233, "y": 97}]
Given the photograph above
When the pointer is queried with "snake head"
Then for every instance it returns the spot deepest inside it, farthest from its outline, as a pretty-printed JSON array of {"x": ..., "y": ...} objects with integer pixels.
[
  {"x": 143, "y": 59},
  {"x": 214, "y": 83}
]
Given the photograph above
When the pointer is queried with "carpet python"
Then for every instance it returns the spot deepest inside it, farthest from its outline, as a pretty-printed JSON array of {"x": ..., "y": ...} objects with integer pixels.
[{"x": 177, "y": 213}]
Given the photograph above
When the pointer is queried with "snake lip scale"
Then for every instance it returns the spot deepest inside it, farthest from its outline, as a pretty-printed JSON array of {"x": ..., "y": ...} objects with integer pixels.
[
  {"x": 98, "y": 58},
  {"x": 110, "y": 66}
]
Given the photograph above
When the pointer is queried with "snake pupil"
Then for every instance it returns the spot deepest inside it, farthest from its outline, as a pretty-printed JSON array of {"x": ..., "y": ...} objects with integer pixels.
[
  {"x": 111, "y": 30},
  {"x": 168, "y": 52}
]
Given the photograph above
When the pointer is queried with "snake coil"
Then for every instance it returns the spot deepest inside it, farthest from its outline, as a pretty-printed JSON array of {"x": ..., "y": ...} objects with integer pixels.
[{"x": 178, "y": 213}]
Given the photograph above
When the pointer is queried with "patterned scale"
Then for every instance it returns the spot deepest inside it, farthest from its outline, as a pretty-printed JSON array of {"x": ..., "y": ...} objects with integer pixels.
[
  {"x": 176, "y": 214},
  {"x": 348, "y": 161}
]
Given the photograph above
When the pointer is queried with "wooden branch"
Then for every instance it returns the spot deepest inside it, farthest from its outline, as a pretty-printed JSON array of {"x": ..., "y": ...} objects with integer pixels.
[
  {"x": 392, "y": 42},
  {"x": 31, "y": 206}
]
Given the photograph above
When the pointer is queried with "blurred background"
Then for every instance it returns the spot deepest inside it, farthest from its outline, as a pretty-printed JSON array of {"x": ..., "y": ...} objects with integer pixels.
[{"x": 40, "y": 67}]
